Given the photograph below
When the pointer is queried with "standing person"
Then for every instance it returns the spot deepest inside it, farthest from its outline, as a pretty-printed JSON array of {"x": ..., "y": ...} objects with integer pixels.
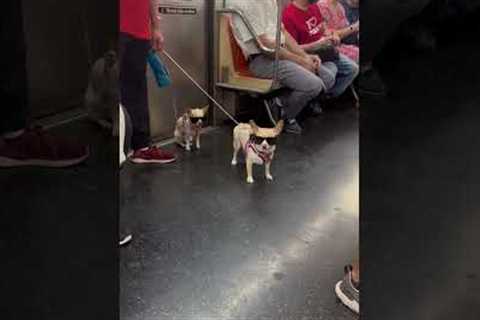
[
  {"x": 304, "y": 22},
  {"x": 139, "y": 33},
  {"x": 305, "y": 75},
  {"x": 20, "y": 145}
]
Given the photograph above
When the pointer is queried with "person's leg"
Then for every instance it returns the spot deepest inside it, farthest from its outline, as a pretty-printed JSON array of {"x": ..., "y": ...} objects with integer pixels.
[
  {"x": 133, "y": 87},
  {"x": 328, "y": 72},
  {"x": 304, "y": 85},
  {"x": 347, "y": 72},
  {"x": 356, "y": 272},
  {"x": 20, "y": 146},
  {"x": 348, "y": 289},
  {"x": 134, "y": 97}
]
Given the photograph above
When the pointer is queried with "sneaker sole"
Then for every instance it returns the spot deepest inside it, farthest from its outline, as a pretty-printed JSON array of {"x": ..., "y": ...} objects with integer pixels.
[
  {"x": 11, "y": 163},
  {"x": 143, "y": 161},
  {"x": 351, "y": 304}
]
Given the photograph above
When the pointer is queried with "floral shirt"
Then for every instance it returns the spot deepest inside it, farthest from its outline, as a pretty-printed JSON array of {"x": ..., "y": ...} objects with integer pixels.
[{"x": 335, "y": 19}]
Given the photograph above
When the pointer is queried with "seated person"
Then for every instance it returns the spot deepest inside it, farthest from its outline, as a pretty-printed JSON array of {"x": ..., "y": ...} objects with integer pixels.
[
  {"x": 304, "y": 74},
  {"x": 304, "y": 22},
  {"x": 352, "y": 12},
  {"x": 336, "y": 21}
]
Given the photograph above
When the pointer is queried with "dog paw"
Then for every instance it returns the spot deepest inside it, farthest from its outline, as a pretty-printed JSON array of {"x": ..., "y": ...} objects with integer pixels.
[
  {"x": 234, "y": 162},
  {"x": 269, "y": 177},
  {"x": 250, "y": 180}
]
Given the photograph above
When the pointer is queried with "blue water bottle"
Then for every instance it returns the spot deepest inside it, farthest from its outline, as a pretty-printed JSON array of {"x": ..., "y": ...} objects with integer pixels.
[{"x": 160, "y": 71}]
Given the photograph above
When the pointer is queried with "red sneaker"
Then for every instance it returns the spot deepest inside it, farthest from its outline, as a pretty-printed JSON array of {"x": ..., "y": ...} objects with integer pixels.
[
  {"x": 153, "y": 155},
  {"x": 36, "y": 147}
]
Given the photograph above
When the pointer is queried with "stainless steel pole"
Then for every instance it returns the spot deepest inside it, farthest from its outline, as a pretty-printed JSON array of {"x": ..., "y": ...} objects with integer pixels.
[{"x": 278, "y": 43}]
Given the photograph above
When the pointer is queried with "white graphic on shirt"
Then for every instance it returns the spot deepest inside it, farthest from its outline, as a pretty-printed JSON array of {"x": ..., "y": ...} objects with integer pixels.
[{"x": 313, "y": 26}]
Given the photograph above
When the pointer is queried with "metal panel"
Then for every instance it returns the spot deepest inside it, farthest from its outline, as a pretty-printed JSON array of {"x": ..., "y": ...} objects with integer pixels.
[{"x": 186, "y": 39}]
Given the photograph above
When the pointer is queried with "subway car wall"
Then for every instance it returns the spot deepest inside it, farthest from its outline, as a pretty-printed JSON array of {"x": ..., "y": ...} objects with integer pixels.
[
  {"x": 187, "y": 41},
  {"x": 63, "y": 38},
  {"x": 190, "y": 37}
]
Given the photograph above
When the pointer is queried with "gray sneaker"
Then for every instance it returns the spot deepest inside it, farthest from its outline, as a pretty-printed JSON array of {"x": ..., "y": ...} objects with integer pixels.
[
  {"x": 292, "y": 126},
  {"x": 346, "y": 291}
]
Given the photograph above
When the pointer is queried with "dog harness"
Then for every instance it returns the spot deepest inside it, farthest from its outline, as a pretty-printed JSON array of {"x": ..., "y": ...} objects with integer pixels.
[{"x": 265, "y": 156}]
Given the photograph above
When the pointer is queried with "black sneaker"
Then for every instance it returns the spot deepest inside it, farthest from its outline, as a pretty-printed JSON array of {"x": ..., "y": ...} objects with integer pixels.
[
  {"x": 347, "y": 292},
  {"x": 274, "y": 109},
  {"x": 125, "y": 239},
  {"x": 292, "y": 126},
  {"x": 315, "y": 108}
]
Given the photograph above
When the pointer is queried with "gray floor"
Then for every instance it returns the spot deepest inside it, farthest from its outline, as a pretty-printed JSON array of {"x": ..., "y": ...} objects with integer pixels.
[{"x": 209, "y": 246}]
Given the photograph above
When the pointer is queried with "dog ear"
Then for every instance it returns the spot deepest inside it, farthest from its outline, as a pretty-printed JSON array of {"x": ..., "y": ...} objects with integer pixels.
[
  {"x": 279, "y": 127},
  {"x": 254, "y": 126},
  {"x": 205, "y": 109}
]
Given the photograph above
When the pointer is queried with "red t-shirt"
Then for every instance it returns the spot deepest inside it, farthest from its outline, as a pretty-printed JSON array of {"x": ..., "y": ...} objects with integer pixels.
[
  {"x": 304, "y": 26},
  {"x": 135, "y": 18}
]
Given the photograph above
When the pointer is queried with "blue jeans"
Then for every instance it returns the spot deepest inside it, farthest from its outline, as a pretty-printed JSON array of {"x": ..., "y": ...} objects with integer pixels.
[{"x": 347, "y": 71}]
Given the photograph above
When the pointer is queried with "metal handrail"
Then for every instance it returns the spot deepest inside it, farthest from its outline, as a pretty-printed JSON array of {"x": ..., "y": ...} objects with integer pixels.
[
  {"x": 250, "y": 28},
  {"x": 259, "y": 44}
]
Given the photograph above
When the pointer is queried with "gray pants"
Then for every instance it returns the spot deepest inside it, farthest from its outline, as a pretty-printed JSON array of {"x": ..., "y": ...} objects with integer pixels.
[{"x": 305, "y": 86}]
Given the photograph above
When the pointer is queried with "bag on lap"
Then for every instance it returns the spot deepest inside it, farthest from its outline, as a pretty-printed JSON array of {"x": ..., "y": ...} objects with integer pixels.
[{"x": 327, "y": 53}]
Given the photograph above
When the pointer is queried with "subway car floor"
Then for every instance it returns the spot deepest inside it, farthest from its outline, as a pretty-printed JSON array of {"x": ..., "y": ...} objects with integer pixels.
[{"x": 209, "y": 246}]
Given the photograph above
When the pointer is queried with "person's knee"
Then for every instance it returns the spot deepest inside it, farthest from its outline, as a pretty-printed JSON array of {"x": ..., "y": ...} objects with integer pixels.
[
  {"x": 355, "y": 69},
  {"x": 328, "y": 78},
  {"x": 315, "y": 87}
]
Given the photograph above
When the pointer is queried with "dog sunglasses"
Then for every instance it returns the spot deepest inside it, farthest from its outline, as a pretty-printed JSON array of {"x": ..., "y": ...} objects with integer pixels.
[
  {"x": 196, "y": 119},
  {"x": 259, "y": 140}
]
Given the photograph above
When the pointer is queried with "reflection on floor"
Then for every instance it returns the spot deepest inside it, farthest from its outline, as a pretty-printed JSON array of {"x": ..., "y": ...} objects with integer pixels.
[{"x": 209, "y": 246}]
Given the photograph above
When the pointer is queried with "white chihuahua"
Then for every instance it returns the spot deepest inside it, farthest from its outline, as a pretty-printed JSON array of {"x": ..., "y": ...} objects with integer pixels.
[
  {"x": 258, "y": 145},
  {"x": 189, "y": 126}
]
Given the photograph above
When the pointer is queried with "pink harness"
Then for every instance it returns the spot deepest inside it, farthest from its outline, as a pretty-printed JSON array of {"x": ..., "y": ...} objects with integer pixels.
[{"x": 265, "y": 156}]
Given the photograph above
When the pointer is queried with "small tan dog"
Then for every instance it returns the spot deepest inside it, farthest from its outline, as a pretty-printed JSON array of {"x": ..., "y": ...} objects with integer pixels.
[
  {"x": 258, "y": 145},
  {"x": 189, "y": 126}
]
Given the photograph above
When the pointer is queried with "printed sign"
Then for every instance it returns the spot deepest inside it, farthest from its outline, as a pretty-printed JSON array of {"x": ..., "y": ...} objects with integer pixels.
[{"x": 178, "y": 10}]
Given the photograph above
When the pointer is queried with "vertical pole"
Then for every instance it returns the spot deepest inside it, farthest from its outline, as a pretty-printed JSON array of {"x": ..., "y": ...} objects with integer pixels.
[
  {"x": 277, "y": 43},
  {"x": 210, "y": 52}
]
